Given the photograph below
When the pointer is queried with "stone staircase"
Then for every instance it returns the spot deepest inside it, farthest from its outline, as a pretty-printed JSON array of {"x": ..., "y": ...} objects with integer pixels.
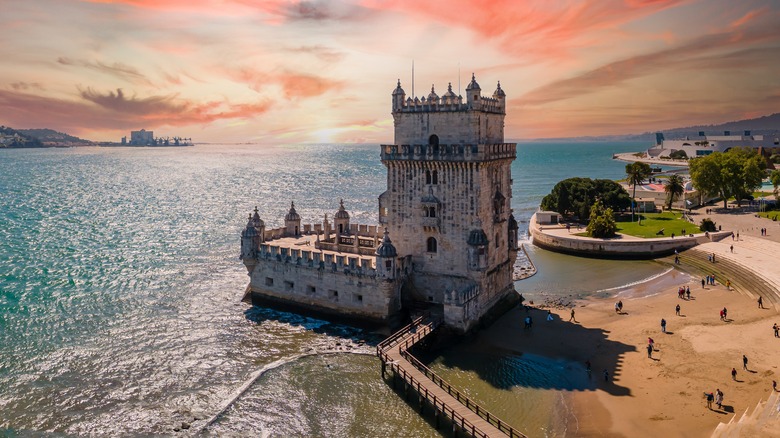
[
  {"x": 751, "y": 269},
  {"x": 762, "y": 422}
]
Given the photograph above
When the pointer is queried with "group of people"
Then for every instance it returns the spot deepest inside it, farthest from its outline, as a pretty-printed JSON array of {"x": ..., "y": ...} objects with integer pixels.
[
  {"x": 711, "y": 258},
  {"x": 683, "y": 292},
  {"x": 717, "y": 397},
  {"x": 619, "y": 306},
  {"x": 710, "y": 280},
  {"x": 724, "y": 314},
  {"x": 763, "y": 231}
]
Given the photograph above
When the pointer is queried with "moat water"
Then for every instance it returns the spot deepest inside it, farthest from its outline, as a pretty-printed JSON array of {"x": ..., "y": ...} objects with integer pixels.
[{"x": 120, "y": 286}]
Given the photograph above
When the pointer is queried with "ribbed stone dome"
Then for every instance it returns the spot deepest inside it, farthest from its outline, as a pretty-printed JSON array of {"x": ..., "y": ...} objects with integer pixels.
[
  {"x": 473, "y": 85},
  {"x": 386, "y": 248},
  {"x": 255, "y": 219},
  {"x": 342, "y": 213},
  {"x": 292, "y": 215},
  {"x": 499, "y": 92}
]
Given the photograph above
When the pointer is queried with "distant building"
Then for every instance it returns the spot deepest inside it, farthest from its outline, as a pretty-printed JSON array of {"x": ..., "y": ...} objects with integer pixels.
[
  {"x": 142, "y": 137},
  {"x": 446, "y": 207},
  {"x": 706, "y": 144}
]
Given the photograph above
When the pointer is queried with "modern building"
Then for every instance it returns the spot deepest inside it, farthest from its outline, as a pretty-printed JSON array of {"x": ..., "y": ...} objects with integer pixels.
[
  {"x": 142, "y": 137},
  {"x": 707, "y": 144},
  {"x": 446, "y": 239}
]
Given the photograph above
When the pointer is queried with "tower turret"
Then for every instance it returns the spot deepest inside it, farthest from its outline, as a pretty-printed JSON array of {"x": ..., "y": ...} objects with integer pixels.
[
  {"x": 398, "y": 97},
  {"x": 251, "y": 237},
  {"x": 500, "y": 96},
  {"x": 292, "y": 222},
  {"x": 385, "y": 258},
  {"x": 473, "y": 93},
  {"x": 341, "y": 220}
]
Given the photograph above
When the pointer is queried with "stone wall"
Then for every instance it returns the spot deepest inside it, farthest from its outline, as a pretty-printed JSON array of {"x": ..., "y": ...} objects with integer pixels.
[
  {"x": 363, "y": 296},
  {"x": 615, "y": 248},
  {"x": 463, "y": 127}
]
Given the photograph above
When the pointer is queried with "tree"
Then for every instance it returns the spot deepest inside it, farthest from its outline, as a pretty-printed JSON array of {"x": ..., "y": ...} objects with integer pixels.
[
  {"x": 636, "y": 173},
  {"x": 602, "y": 222},
  {"x": 674, "y": 188},
  {"x": 775, "y": 178},
  {"x": 574, "y": 196},
  {"x": 737, "y": 172}
]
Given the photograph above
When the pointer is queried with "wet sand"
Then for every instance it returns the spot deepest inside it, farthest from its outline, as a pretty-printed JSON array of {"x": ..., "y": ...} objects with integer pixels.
[{"x": 662, "y": 396}]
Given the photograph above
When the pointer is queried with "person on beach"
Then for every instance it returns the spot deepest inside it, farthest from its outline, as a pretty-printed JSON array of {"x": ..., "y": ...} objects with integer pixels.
[
  {"x": 702, "y": 283},
  {"x": 649, "y": 351},
  {"x": 688, "y": 292},
  {"x": 710, "y": 397},
  {"x": 719, "y": 398},
  {"x": 722, "y": 316},
  {"x": 776, "y": 328},
  {"x": 760, "y": 302},
  {"x": 774, "y": 385},
  {"x": 731, "y": 248},
  {"x": 677, "y": 310},
  {"x": 734, "y": 374},
  {"x": 728, "y": 284},
  {"x": 663, "y": 325},
  {"x": 725, "y": 314},
  {"x": 571, "y": 318},
  {"x": 620, "y": 305},
  {"x": 744, "y": 362},
  {"x": 617, "y": 308}
]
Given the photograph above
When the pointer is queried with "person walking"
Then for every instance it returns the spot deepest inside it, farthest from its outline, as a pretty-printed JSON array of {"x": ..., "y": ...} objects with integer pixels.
[
  {"x": 649, "y": 351},
  {"x": 731, "y": 248},
  {"x": 744, "y": 362},
  {"x": 733, "y": 374},
  {"x": 663, "y": 325},
  {"x": 719, "y": 398},
  {"x": 620, "y": 306},
  {"x": 571, "y": 318},
  {"x": 774, "y": 385},
  {"x": 710, "y": 397},
  {"x": 760, "y": 302},
  {"x": 776, "y": 328},
  {"x": 677, "y": 310},
  {"x": 688, "y": 292},
  {"x": 617, "y": 308},
  {"x": 702, "y": 283}
]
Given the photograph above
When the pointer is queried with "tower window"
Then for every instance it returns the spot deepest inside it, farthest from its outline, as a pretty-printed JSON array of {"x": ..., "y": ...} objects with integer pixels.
[
  {"x": 433, "y": 140},
  {"x": 431, "y": 244},
  {"x": 432, "y": 212},
  {"x": 435, "y": 177}
]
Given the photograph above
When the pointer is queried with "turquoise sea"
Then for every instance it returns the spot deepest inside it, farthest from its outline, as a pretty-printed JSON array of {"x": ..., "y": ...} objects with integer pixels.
[{"x": 120, "y": 290}]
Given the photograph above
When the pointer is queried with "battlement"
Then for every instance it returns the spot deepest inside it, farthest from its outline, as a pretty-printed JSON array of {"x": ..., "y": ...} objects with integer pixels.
[
  {"x": 484, "y": 104},
  {"x": 451, "y": 152},
  {"x": 321, "y": 260}
]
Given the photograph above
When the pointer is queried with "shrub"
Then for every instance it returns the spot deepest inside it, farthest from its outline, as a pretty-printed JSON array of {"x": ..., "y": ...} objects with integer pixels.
[
  {"x": 707, "y": 225},
  {"x": 678, "y": 155}
]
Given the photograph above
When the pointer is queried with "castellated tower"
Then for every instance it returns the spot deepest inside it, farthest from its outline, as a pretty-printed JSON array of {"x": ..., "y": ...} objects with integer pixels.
[{"x": 447, "y": 203}]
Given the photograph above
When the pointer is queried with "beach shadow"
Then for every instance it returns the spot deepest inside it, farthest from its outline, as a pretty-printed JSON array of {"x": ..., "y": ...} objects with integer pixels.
[
  {"x": 682, "y": 316},
  {"x": 739, "y": 381},
  {"x": 728, "y": 320},
  {"x": 752, "y": 371},
  {"x": 654, "y": 358},
  {"x": 728, "y": 409},
  {"x": 505, "y": 360},
  {"x": 669, "y": 332}
]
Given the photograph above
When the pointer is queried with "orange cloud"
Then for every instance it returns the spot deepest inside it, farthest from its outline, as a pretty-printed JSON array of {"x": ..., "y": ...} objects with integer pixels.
[
  {"x": 114, "y": 110},
  {"x": 294, "y": 85}
]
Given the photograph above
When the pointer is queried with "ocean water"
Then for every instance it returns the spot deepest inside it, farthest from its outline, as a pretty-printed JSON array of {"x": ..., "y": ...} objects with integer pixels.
[{"x": 120, "y": 291}]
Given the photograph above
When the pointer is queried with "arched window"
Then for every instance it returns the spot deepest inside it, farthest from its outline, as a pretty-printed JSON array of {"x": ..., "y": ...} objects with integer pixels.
[
  {"x": 426, "y": 212},
  {"x": 431, "y": 244},
  {"x": 432, "y": 212},
  {"x": 433, "y": 140},
  {"x": 427, "y": 177},
  {"x": 341, "y": 228},
  {"x": 435, "y": 177}
]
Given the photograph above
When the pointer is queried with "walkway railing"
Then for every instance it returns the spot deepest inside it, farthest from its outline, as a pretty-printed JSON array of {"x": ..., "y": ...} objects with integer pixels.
[{"x": 452, "y": 406}]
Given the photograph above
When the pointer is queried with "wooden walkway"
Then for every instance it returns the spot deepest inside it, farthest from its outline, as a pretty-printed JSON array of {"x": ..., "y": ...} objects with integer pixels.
[{"x": 465, "y": 415}]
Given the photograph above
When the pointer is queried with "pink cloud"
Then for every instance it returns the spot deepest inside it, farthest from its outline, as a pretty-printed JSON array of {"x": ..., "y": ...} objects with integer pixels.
[
  {"x": 114, "y": 110},
  {"x": 294, "y": 85}
]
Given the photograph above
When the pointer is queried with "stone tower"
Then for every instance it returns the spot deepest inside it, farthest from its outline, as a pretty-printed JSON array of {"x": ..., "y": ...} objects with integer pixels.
[{"x": 447, "y": 203}]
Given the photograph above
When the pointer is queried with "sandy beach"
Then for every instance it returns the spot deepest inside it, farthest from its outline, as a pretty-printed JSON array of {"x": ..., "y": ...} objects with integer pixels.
[{"x": 662, "y": 395}]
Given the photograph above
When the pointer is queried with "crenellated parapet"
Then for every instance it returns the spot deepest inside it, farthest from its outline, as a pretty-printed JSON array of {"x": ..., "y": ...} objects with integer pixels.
[
  {"x": 449, "y": 152},
  {"x": 349, "y": 264}
]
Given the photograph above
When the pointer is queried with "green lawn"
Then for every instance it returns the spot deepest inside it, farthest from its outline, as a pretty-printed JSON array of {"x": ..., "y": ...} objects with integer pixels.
[
  {"x": 773, "y": 215},
  {"x": 651, "y": 223}
]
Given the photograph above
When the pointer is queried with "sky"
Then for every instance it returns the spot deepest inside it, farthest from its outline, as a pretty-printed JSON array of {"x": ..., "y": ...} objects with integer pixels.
[{"x": 285, "y": 72}]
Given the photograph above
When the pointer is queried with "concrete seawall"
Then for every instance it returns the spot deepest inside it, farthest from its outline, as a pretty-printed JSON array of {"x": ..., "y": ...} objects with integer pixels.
[{"x": 557, "y": 238}]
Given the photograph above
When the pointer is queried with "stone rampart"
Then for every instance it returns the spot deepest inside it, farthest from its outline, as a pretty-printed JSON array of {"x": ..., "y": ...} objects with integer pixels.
[{"x": 615, "y": 247}]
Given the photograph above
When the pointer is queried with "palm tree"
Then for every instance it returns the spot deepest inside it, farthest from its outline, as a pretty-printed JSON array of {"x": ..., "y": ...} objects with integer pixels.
[
  {"x": 775, "y": 178},
  {"x": 674, "y": 188},
  {"x": 636, "y": 173}
]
